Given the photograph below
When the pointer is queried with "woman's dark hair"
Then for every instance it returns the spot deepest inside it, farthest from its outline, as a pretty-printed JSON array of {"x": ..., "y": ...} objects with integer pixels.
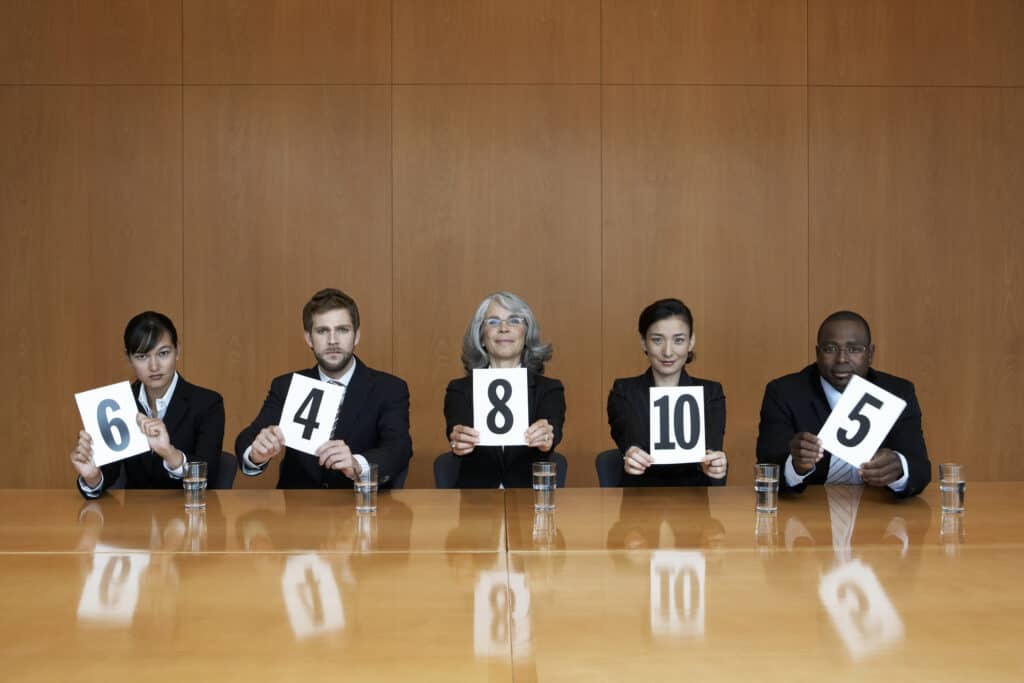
[
  {"x": 144, "y": 330},
  {"x": 662, "y": 309}
]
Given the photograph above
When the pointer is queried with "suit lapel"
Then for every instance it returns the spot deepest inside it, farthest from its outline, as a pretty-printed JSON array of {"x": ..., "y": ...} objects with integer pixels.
[
  {"x": 819, "y": 404},
  {"x": 356, "y": 394},
  {"x": 178, "y": 407}
]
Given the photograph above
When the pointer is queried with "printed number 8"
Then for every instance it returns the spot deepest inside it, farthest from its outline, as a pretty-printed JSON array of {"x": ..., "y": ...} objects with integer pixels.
[{"x": 500, "y": 406}]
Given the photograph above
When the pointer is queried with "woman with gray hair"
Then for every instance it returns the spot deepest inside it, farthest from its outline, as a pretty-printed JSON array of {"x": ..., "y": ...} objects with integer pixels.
[{"x": 503, "y": 333}]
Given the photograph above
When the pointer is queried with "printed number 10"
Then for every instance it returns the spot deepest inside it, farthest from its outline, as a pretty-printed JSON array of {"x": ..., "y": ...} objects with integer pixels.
[{"x": 682, "y": 403}]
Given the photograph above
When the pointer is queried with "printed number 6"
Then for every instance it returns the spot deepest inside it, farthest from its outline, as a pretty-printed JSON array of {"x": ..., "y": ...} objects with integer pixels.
[{"x": 103, "y": 411}]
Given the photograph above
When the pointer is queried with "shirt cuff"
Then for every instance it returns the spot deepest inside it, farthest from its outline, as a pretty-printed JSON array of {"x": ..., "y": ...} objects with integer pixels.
[
  {"x": 900, "y": 485},
  {"x": 794, "y": 478},
  {"x": 179, "y": 471},
  {"x": 249, "y": 468},
  {"x": 363, "y": 463},
  {"x": 89, "y": 491}
]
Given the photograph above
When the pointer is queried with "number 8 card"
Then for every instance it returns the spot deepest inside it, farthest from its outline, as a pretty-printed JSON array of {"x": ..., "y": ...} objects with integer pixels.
[
  {"x": 108, "y": 416},
  {"x": 501, "y": 411}
]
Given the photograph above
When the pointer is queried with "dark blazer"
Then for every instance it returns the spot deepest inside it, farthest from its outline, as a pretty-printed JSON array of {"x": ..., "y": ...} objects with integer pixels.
[
  {"x": 629, "y": 419},
  {"x": 373, "y": 422},
  {"x": 511, "y": 466},
  {"x": 797, "y": 403},
  {"x": 195, "y": 425}
]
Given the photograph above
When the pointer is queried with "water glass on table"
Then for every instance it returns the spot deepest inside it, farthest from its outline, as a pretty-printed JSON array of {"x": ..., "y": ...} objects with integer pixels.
[
  {"x": 366, "y": 489},
  {"x": 194, "y": 483},
  {"x": 952, "y": 486},
  {"x": 543, "y": 485},
  {"x": 766, "y": 487}
]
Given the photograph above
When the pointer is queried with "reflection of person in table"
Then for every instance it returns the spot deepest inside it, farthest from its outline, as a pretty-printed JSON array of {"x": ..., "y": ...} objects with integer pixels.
[
  {"x": 371, "y": 426},
  {"x": 796, "y": 406},
  {"x": 181, "y": 421},
  {"x": 667, "y": 339},
  {"x": 504, "y": 333}
]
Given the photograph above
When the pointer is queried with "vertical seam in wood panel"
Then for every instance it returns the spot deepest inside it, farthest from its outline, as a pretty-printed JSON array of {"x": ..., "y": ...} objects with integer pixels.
[
  {"x": 600, "y": 194},
  {"x": 391, "y": 188},
  {"x": 181, "y": 99},
  {"x": 807, "y": 154}
]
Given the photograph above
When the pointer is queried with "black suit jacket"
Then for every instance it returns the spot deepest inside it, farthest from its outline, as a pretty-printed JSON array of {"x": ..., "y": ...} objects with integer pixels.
[
  {"x": 195, "y": 425},
  {"x": 629, "y": 419},
  {"x": 374, "y": 423},
  {"x": 511, "y": 466},
  {"x": 797, "y": 403}
]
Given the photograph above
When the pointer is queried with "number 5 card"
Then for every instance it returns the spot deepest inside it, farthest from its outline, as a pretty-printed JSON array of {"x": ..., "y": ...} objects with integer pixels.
[
  {"x": 108, "y": 415},
  {"x": 860, "y": 421},
  {"x": 309, "y": 411},
  {"x": 501, "y": 412},
  {"x": 677, "y": 425}
]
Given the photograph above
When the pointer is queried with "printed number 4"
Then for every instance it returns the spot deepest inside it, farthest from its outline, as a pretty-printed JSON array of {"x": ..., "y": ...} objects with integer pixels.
[{"x": 308, "y": 421}]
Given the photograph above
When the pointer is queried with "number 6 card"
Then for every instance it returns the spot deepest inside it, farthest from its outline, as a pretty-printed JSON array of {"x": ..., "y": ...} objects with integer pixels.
[
  {"x": 309, "y": 411},
  {"x": 859, "y": 423},
  {"x": 501, "y": 412},
  {"x": 677, "y": 425},
  {"x": 108, "y": 416}
]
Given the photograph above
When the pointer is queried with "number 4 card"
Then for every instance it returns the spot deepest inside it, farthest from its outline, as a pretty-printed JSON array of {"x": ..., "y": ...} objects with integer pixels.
[
  {"x": 309, "y": 411},
  {"x": 860, "y": 421},
  {"x": 108, "y": 415},
  {"x": 677, "y": 425}
]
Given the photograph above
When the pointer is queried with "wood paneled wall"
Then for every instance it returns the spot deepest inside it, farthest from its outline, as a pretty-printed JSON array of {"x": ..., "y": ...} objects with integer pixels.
[{"x": 768, "y": 161}]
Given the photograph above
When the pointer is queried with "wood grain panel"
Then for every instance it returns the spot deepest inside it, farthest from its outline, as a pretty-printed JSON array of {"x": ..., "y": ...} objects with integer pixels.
[
  {"x": 287, "y": 191},
  {"x": 287, "y": 41},
  {"x": 705, "y": 199},
  {"x": 915, "y": 222},
  {"x": 916, "y": 42},
  {"x": 497, "y": 41},
  {"x": 91, "y": 208},
  {"x": 497, "y": 187},
  {"x": 93, "y": 41},
  {"x": 704, "y": 41}
]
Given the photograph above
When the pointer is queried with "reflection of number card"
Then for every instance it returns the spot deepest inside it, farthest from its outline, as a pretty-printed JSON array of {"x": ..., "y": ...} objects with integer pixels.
[
  {"x": 111, "y": 591},
  {"x": 501, "y": 603},
  {"x": 860, "y": 421},
  {"x": 677, "y": 425},
  {"x": 108, "y": 415},
  {"x": 677, "y": 593},
  {"x": 501, "y": 411},
  {"x": 311, "y": 596},
  {"x": 309, "y": 411},
  {"x": 861, "y": 611}
]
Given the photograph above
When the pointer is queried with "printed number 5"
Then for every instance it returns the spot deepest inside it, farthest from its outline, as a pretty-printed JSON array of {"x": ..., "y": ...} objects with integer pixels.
[{"x": 863, "y": 423}]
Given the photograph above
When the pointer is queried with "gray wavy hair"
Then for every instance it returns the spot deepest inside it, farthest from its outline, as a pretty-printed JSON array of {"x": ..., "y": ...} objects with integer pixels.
[{"x": 535, "y": 352}]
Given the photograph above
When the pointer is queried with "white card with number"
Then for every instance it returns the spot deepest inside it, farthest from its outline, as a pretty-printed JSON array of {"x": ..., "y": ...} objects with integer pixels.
[
  {"x": 501, "y": 614},
  {"x": 677, "y": 593},
  {"x": 860, "y": 421},
  {"x": 860, "y": 609},
  {"x": 677, "y": 425},
  {"x": 501, "y": 410},
  {"x": 108, "y": 415},
  {"x": 309, "y": 412}
]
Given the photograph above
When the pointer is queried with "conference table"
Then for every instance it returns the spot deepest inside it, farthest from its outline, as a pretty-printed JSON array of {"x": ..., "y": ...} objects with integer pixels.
[{"x": 842, "y": 583}]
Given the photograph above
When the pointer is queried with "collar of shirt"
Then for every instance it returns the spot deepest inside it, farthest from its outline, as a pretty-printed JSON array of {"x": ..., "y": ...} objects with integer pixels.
[
  {"x": 832, "y": 395},
  {"x": 343, "y": 380},
  {"x": 162, "y": 402}
]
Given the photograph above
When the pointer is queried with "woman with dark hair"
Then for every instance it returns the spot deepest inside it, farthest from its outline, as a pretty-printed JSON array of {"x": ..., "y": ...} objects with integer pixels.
[
  {"x": 182, "y": 421},
  {"x": 667, "y": 339},
  {"x": 503, "y": 333}
]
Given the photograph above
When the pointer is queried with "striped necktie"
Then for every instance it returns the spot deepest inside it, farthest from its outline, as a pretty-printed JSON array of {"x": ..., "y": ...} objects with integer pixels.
[
  {"x": 842, "y": 472},
  {"x": 337, "y": 416}
]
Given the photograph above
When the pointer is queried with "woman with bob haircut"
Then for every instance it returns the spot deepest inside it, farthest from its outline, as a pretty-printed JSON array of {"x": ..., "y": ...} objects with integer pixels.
[
  {"x": 183, "y": 422},
  {"x": 503, "y": 333},
  {"x": 667, "y": 339}
]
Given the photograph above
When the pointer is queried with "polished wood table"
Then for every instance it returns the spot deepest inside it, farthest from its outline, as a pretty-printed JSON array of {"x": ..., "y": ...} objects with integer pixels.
[{"x": 842, "y": 583}]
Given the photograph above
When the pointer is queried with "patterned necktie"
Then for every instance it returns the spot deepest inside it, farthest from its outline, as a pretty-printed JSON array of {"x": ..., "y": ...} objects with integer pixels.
[
  {"x": 337, "y": 416},
  {"x": 842, "y": 472}
]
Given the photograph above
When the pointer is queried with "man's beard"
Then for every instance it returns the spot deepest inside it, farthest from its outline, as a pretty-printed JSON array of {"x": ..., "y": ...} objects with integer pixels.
[{"x": 330, "y": 367}]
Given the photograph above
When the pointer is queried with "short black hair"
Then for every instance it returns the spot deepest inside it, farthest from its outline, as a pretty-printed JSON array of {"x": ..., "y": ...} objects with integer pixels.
[
  {"x": 845, "y": 315},
  {"x": 144, "y": 330},
  {"x": 661, "y": 310}
]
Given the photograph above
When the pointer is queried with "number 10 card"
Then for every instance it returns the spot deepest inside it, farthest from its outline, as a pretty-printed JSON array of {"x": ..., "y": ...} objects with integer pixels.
[{"x": 309, "y": 411}]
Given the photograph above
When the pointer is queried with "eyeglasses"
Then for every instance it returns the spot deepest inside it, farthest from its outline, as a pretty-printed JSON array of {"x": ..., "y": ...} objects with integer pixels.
[
  {"x": 511, "y": 321},
  {"x": 851, "y": 349}
]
